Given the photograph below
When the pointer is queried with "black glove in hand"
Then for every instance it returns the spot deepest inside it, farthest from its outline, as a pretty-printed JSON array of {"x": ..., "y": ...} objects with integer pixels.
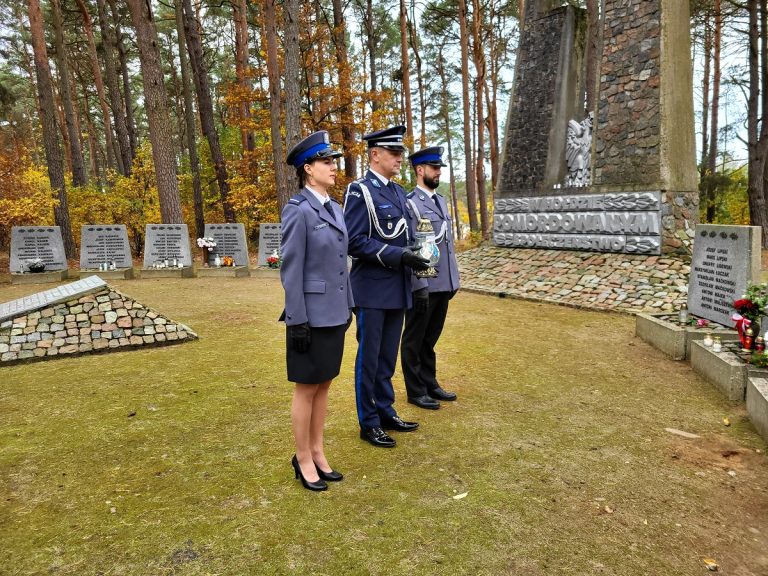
[
  {"x": 411, "y": 258},
  {"x": 420, "y": 300},
  {"x": 299, "y": 337}
]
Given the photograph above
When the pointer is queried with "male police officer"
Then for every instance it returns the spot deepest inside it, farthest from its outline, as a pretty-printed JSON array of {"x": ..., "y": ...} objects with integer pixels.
[
  {"x": 422, "y": 330},
  {"x": 380, "y": 230}
]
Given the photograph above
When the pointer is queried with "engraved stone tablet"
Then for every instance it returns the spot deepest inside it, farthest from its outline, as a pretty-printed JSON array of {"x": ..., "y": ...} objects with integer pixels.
[
  {"x": 43, "y": 242},
  {"x": 269, "y": 241},
  {"x": 230, "y": 241},
  {"x": 104, "y": 243},
  {"x": 164, "y": 242},
  {"x": 725, "y": 260}
]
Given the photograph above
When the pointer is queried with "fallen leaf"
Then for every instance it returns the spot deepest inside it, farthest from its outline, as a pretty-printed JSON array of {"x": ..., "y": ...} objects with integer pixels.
[
  {"x": 732, "y": 473},
  {"x": 711, "y": 564},
  {"x": 460, "y": 496},
  {"x": 677, "y": 432},
  {"x": 726, "y": 421},
  {"x": 609, "y": 510}
]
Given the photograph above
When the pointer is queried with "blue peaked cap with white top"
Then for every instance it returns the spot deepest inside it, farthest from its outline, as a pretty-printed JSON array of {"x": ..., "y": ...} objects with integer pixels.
[
  {"x": 391, "y": 139},
  {"x": 432, "y": 156},
  {"x": 316, "y": 145}
]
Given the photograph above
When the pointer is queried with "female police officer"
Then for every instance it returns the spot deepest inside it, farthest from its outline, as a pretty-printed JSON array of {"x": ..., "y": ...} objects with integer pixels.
[{"x": 318, "y": 300}]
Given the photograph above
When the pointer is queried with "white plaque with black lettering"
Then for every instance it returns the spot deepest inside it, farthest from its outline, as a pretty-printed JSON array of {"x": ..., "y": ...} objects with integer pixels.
[
  {"x": 29, "y": 243},
  {"x": 269, "y": 241},
  {"x": 104, "y": 244},
  {"x": 725, "y": 260},
  {"x": 165, "y": 242},
  {"x": 230, "y": 241}
]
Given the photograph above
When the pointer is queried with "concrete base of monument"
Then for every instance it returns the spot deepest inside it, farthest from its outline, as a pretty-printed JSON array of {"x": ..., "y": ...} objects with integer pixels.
[
  {"x": 675, "y": 340},
  {"x": 262, "y": 272},
  {"x": 147, "y": 273},
  {"x": 39, "y": 277},
  {"x": 119, "y": 274},
  {"x": 757, "y": 404},
  {"x": 223, "y": 272},
  {"x": 725, "y": 369}
]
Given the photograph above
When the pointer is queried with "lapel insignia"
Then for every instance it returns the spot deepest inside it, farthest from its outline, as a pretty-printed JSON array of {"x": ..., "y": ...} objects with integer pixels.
[
  {"x": 375, "y": 183},
  {"x": 421, "y": 197}
]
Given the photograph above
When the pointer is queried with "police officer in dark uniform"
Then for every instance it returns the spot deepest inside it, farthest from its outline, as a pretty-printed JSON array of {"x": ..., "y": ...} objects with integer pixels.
[
  {"x": 318, "y": 301},
  {"x": 423, "y": 329},
  {"x": 380, "y": 230}
]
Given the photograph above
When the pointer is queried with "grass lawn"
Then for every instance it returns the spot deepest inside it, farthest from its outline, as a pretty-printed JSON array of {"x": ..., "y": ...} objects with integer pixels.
[{"x": 557, "y": 439}]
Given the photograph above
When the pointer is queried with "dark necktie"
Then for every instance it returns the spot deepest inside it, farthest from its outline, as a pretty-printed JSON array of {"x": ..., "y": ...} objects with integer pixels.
[
  {"x": 437, "y": 203},
  {"x": 330, "y": 209}
]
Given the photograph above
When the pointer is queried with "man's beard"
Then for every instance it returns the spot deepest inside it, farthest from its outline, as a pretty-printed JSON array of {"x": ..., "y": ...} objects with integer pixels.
[{"x": 432, "y": 183}]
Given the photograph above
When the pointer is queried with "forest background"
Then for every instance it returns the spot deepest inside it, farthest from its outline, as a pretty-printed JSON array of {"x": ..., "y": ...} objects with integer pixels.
[{"x": 146, "y": 111}]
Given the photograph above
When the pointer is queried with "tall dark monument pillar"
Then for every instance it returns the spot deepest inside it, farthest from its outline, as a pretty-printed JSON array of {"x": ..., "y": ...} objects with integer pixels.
[{"x": 643, "y": 195}]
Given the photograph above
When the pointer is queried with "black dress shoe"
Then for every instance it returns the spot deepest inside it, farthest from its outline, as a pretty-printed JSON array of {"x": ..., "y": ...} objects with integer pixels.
[
  {"x": 440, "y": 394},
  {"x": 424, "y": 402},
  {"x": 377, "y": 437},
  {"x": 396, "y": 423},
  {"x": 318, "y": 486},
  {"x": 331, "y": 476}
]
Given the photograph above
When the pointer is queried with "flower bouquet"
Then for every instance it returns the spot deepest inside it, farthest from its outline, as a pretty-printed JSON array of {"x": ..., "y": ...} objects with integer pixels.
[
  {"x": 35, "y": 265},
  {"x": 273, "y": 260},
  {"x": 207, "y": 244},
  {"x": 749, "y": 309}
]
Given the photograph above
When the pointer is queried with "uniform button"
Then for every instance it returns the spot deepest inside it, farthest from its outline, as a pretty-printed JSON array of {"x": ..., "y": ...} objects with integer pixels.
[
  {"x": 341, "y": 273},
  {"x": 340, "y": 238},
  {"x": 341, "y": 255},
  {"x": 341, "y": 288}
]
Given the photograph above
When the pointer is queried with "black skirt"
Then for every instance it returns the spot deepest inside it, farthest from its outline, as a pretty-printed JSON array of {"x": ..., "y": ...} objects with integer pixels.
[{"x": 322, "y": 361}]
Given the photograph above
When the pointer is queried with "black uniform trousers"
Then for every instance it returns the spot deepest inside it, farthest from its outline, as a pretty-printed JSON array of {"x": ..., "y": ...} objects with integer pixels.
[{"x": 420, "y": 336}]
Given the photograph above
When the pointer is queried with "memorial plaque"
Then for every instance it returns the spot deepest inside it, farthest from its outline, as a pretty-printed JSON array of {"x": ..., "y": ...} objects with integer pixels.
[
  {"x": 725, "y": 260},
  {"x": 104, "y": 243},
  {"x": 31, "y": 242},
  {"x": 165, "y": 242},
  {"x": 230, "y": 241},
  {"x": 270, "y": 236},
  {"x": 612, "y": 222}
]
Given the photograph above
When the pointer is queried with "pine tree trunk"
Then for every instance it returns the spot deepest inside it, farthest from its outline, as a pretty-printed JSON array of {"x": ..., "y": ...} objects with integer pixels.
[
  {"x": 112, "y": 159},
  {"x": 445, "y": 109},
  {"x": 113, "y": 87},
  {"x": 712, "y": 157},
  {"x": 757, "y": 133},
  {"x": 371, "y": 43},
  {"x": 240, "y": 13},
  {"x": 292, "y": 13},
  {"x": 127, "y": 95},
  {"x": 189, "y": 120},
  {"x": 478, "y": 57},
  {"x": 156, "y": 106},
  {"x": 205, "y": 106},
  {"x": 50, "y": 129},
  {"x": 273, "y": 73},
  {"x": 79, "y": 176},
  {"x": 469, "y": 170},
  {"x": 420, "y": 83},
  {"x": 406, "y": 72},
  {"x": 345, "y": 88}
]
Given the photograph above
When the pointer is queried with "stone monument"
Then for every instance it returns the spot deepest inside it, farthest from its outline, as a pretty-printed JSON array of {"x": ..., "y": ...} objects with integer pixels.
[
  {"x": 105, "y": 248},
  {"x": 230, "y": 241},
  {"x": 643, "y": 196},
  {"x": 269, "y": 241},
  {"x": 725, "y": 260},
  {"x": 166, "y": 247},
  {"x": 37, "y": 249}
]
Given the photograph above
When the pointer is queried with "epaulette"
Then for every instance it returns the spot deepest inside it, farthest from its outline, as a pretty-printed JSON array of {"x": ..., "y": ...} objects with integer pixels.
[
  {"x": 410, "y": 194},
  {"x": 298, "y": 199}
]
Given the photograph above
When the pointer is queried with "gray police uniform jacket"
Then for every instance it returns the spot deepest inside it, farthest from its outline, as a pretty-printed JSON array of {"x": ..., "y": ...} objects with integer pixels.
[
  {"x": 314, "y": 263},
  {"x": 423, "y": 206}
]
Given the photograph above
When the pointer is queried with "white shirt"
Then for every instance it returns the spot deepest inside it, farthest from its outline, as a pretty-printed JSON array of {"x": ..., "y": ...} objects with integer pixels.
[
  {"x": 320, "y": 198},
  {"x": 380, "y": 177}
]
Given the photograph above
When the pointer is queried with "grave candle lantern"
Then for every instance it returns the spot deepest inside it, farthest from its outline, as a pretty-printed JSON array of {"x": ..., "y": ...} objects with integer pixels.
[{"x": 683, "y": 314}]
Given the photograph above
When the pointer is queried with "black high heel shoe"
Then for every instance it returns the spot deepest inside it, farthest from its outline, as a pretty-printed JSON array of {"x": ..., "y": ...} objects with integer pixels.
[
  {"x": 318, "y": 486},
  {"x": 331, "y": 476}
]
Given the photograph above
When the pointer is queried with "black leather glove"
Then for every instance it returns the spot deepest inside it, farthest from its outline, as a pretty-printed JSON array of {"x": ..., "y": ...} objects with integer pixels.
[
  {"x": 411, "y": 258},
  {"x": 421, "y": 300},
  {"x": 299, "y": 337}
]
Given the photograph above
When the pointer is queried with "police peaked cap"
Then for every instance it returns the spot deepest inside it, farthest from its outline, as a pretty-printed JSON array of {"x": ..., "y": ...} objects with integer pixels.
[
  {"x": 391, "y": 139},
  {"x": 432, "y": 156},
  {"x": 316, "y": 145}
]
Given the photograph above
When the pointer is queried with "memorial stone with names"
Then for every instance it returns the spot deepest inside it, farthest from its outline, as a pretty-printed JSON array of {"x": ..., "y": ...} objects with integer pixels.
[
  {"x": 31, "y": 242},
  {"x": 725, "y": 260},
  {"x": 230, "y": 241},
  {"x": 104, "y": 243},
  {"x": 166, "y": 242},
  {"x": 270, "y": 236}
]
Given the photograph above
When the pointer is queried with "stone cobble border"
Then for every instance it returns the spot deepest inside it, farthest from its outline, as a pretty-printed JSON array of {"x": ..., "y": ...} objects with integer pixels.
[{"x": 608, "y": 282}]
